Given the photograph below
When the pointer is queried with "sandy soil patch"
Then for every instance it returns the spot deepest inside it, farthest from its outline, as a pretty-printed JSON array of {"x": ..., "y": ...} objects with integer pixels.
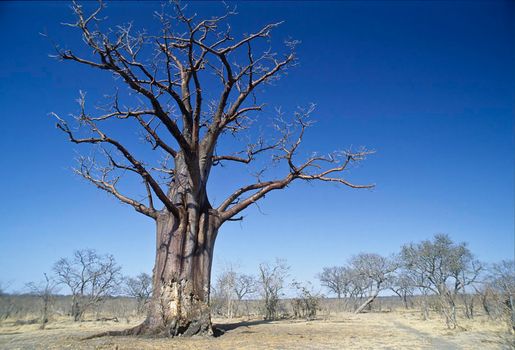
[{"x": 396, "y": 330}]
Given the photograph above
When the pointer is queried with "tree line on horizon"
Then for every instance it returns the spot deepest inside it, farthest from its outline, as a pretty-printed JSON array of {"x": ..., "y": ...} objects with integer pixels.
[{"x": 433, "y": 275}]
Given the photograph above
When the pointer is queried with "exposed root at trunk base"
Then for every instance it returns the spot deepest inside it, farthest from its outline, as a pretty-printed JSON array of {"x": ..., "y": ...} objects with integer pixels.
[
  {"x": 126, "y": 332},
  {"x": 193, "y": 328}
]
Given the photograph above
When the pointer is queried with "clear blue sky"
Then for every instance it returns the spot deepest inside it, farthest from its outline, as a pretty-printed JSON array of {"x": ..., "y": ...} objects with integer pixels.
[{"x": 429, "y": 85}]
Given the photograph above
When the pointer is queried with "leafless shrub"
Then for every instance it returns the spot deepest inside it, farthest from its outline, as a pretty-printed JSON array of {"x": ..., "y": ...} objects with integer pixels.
[{"x": 307, "y": 303}]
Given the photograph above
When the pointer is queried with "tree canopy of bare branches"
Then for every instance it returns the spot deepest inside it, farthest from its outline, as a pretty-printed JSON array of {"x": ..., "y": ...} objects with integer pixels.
[
  {"x": 337, "y": 279},
  {"x": 167, "y": 92},
  {"x": 442, "y": 267}
]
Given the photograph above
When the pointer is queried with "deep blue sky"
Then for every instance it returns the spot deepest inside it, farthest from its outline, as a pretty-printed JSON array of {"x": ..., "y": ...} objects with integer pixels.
[{"x": 429, "y": 85}]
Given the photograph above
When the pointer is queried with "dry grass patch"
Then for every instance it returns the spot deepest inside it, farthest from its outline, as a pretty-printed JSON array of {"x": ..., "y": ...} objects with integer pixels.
[{"x": 396, "y": 330}]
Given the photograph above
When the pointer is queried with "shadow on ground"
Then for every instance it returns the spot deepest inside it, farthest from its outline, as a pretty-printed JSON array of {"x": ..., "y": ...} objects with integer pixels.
[{"x": 222, "y": 328}]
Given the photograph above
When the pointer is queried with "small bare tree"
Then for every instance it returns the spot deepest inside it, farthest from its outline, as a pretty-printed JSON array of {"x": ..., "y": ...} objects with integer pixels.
[
  {"x": 139, "y": 287},
  {"x": 231, "y": 288},
  {"x": 336, "y": 279},
  {"x": 244, "y": 286},
  {"x": 502, "y": 281},
  {"x": 402, "y": 285},
  {"x": 272, "y": 277},
  {"x": 468, "y": 278},
  {"x": 44, "y": 290},
  {"x": 90, "y": 278},
  {"x": 376, "y": 272},
  {"x": 225, "y": 288}
]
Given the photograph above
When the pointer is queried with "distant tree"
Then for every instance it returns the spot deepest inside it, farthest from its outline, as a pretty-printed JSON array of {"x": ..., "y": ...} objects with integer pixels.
[
  {"x": 231, "y": 287},
  {"x": 403, "y": 285},
  {"x": 376, "y": 272},
  {"x": 45, "y": 290},
  {"x": 186, "y": 86},
  {"x": 225, "y": 287},
  {"x": 7, "y": 306},
  {"x": 244, "y": 286},
  {"x": 139, "y": 287},
  {"x": 89, "y": 276},
  {"x": 502, "y": 281},
  {"x": 306, "y": 303},
  {"x": 336, "y": 279},
  {"x": 438, "y": 266},
  {"x": 271, "y": 281},
  {"x": 469, "y": 277}
]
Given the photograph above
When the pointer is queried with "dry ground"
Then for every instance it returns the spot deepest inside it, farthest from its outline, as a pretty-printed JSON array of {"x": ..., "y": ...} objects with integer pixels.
[{"x": 395, "y": 330}]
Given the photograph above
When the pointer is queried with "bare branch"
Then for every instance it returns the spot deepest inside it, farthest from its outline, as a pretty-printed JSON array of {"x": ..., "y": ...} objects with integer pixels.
[
  {"x": 112, "y": 59},
  {"x": 313, "y": 168},
  {"x": 103, "y": 138},
  {"x": 170, "y": 80},
  {"x": 84, "y": 170}
]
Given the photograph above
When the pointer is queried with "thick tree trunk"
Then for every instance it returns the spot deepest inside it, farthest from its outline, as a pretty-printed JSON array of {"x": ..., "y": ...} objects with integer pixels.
[
  {"x": 184, "y": 253},
  {"x": 181, "y": 281}
]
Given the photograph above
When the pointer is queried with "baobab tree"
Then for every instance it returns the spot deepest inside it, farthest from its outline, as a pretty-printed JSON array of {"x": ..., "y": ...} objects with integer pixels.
[{"x": 169, "y": 79}]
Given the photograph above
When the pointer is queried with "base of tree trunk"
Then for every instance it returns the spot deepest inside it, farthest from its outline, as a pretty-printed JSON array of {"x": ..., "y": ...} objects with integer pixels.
[{"x": 189, "y": 329}]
